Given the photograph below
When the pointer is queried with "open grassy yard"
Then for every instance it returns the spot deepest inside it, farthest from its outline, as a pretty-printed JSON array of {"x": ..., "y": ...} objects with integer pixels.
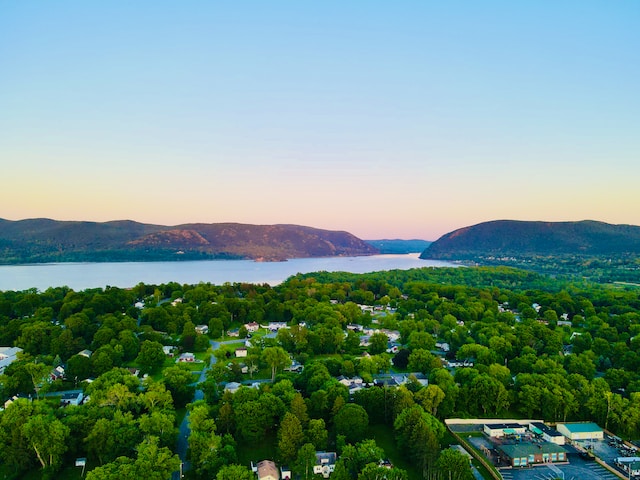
[
  {"x": 383, "y": 435},
  {"x": 255, "y": 452}
]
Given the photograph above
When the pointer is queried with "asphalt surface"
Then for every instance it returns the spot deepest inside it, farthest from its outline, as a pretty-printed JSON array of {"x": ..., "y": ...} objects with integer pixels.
[{"x": 183, "y": 430}]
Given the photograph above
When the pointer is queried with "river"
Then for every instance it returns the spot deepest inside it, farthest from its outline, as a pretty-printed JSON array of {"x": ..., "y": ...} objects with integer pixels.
[{"x": 80, "y": 276}]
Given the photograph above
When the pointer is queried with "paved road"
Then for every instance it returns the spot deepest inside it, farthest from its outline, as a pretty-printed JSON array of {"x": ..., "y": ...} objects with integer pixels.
[{"x": 184, "y": 430}]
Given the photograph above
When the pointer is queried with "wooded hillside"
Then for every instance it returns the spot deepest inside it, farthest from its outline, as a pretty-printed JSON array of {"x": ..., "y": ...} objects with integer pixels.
[{"x": 45, "y": 240}]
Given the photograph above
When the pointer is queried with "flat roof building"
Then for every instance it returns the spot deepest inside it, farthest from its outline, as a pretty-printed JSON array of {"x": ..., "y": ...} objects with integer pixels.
[
  {"x": 547, "y": 433},
  {"x": 581, "y": 431},
  {"x": 497, "y": 430},
  {"x": 526, "y": 454}
]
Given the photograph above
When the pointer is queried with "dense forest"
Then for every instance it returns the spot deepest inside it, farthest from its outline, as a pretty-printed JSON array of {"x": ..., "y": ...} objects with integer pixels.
[{"x": 531, "y": 346}]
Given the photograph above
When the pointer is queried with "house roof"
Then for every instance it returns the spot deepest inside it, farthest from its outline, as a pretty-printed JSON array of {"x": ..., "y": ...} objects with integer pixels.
[
  {"x": 267, "y": 468},
  {"x": 326, "y": 458}
]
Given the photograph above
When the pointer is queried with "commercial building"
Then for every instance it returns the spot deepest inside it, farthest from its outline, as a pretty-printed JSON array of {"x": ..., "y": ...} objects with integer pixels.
[
  {"x": 581, "y": 431},
  {"x": 526, "y": 454},
  {"x": 547, "y": 433},
  {"x": 498, "y": 430}
]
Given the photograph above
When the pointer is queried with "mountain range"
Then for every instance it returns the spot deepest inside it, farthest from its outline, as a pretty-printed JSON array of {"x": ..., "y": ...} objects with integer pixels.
[{"x": 45, "y": 240}]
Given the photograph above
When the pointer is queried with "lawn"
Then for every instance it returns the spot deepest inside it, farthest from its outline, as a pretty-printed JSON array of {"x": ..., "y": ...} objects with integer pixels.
[
  {"x": 255, "y": 452},
  {"x": 68, "y": 472},
  {"x": 383, "y": 435}
]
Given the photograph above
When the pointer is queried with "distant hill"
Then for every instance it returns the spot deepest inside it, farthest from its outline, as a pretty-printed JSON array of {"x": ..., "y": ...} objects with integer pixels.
[
  {"x": 511, "y": 238},
  {"x": 399, "y": 246},
  {"x": 44, "y": 240}
]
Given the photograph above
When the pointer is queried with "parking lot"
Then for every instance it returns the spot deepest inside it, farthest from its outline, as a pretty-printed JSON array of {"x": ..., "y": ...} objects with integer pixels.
[{"x": 577, "y": 469}]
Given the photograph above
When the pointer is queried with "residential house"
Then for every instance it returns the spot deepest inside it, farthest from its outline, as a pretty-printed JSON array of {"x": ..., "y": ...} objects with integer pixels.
[
  {"x": 241, "y": 352},
  {"x": 267, "y": 470},
  {"x": 169, "y": 349},
  {"x": 294, "y": 367},
  {"x": 275, "y": 326},
  {"x": 353, "y": 384},
  {"x": 86, "y": 353},
  {"x": 14, "y": 398},
  {"x": 202, "y": 329},
  {"x": 7, "y": 356},
  {"x": 286, "y": 473},
  {"x": 186, "y": 357},
  {"x": 252, "y": 327},
  {"x": 232, "y": 387},
  {"x": 71, "y": 398},
  {"x": 325, "y": 463},
  {"x": 57, "y": 374},
  {"x": 420, "y": 377}
]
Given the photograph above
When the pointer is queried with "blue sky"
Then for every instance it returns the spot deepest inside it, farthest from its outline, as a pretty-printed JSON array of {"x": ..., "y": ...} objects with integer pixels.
[{"x": 385, "y": 119}]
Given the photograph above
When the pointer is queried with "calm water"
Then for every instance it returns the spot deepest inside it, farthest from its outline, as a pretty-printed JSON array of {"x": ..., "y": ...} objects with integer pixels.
[{"x": 91, "y": 275}]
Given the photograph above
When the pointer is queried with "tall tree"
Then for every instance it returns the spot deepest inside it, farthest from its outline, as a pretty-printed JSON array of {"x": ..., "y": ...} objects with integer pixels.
[
  {"x": 351, "y": 421},
  {"x": 290, "y": 437},
  {"x": 277, "y": 358}
]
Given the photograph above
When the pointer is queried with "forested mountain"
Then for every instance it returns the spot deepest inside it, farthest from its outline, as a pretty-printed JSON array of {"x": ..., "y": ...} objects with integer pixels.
[
  {"x": 511, "y": 237},
  {"x": 595, "y": 250},
  {"x": 45, "y": 240}
]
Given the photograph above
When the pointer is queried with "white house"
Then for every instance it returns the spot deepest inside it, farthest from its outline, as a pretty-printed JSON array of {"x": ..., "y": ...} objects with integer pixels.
[
  {"x": 325, "y": 463},
  {"x": 252, "y": 327},
  {"x": 202, "y": 329},
  {"x": 275, "y": 326},
  {"x": 241, "y": 352},
  {"x": 74, "y": 398}
]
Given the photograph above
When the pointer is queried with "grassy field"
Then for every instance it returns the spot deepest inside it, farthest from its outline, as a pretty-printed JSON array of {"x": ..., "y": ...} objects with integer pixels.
[
  {"x": 383, "y": 435},
  {"x": 255, "y": 452}
]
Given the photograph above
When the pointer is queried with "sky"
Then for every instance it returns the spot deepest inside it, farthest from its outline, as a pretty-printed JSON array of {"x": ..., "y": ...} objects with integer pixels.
[{"x": 403, "y": 119}]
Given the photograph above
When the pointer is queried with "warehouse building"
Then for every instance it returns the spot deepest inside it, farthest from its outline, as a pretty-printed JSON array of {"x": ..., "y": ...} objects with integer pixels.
[{"x": 581, "y": 431}]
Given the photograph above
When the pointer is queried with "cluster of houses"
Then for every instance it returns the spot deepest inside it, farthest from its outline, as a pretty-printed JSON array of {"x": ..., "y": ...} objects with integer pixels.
[{"x": 268, "y": 470}]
